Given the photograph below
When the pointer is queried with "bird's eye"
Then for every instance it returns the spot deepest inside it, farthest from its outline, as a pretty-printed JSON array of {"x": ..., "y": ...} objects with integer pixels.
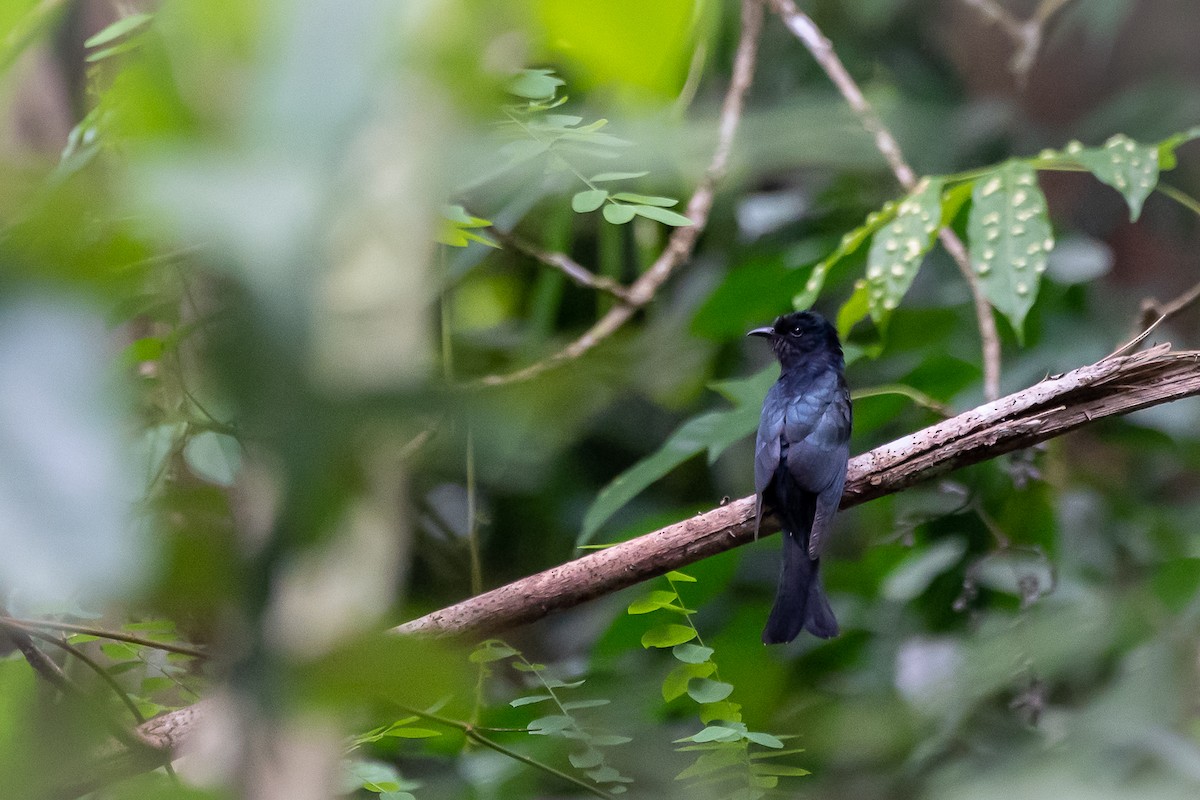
[{"x": 796, "y": 331}]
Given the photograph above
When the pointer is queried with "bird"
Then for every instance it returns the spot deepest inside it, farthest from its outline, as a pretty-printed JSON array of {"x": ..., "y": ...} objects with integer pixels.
[{"x": 800, "y": 457}]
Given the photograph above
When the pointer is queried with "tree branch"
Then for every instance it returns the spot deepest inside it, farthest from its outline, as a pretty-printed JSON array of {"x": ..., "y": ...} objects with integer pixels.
[
  {"x": 682, "y": 240},
  {"x": 1048, "y": 409},
  {"x": 564, "y": 264},
  {"x": 1026, "y": 35},
  {"x": 821, "y": 49}
]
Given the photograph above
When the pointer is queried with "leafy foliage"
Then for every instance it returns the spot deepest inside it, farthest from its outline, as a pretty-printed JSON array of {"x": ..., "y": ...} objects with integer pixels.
[{"x": 725, "y": 758}]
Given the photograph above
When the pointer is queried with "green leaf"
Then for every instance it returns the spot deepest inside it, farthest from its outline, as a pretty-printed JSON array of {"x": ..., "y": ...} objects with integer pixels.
[
  {"x": 1009, "y": 236},
  {"x": 654, "y": 601},
  {"x": 609, "y": 740},
  {"x": 491, "y": 650},
  {"x": 710, "y": 762},
  {"x": 692, "y": 653},
  {"x": 550, "y": 725},
  {"x": 215, "y": 457},
  {"x": 715, "y": 733},
  {"x": 535, "y": 84},
  {"x": 521, "y": 666},
  {"x": 713, "y": 431},
  {"x": 854, "y": 309},
  {"x": 118, "y": 29},
  {"x": 578, "y": 704},
  {"x": 1166, "y": 148},
  {"x": 849, "y": 243},
  {"x": 680, "y": 577},
  {"x": 555, "y": 683},
  {"x": 765, "y": 739},
  {"x": 662, "y": 215},
  {"x": 616, "y": 176},
  {"x": 759, "y": 755},
  {"x": 720, "y": 712},
  {"x": 588, "y": 200},
  {"x": 912, "y": 576},
  {"x": 619, "y": 214},
  {"x": 778, "y": 770},
  {"x": 706, "y": 690},
  {"x": 587, "y": 759},
  {"x": 1127, "y": 166},
  {"x": 647, "y": 199},
  {"x": 668, "y": 635},
  {"x": 413, "y": 733},
  {"x": 899, "y": 248},
  {"x": 676, "y": 683},
  {"x": 529, "y": 700}
]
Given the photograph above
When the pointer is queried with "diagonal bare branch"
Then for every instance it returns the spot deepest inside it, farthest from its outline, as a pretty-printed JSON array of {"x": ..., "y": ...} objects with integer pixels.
[
  {"x": 821, "y": 49},
  {"x": 682, "y": 240},
  {"x": 564, "y": 264}
]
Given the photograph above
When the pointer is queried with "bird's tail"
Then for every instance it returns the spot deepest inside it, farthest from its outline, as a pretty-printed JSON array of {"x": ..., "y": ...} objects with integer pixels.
[{"x": 800, "y": 601}]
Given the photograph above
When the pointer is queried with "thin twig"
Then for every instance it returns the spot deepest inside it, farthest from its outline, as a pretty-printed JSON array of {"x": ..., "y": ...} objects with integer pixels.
[
  {"x": 42, "y": 664},
  {"x": 682, "y": 240},
  {"x": 564, "y": 264},
  {"x": 1026, "y": 35},
  {"x": 103, "y": 633},
  {"x": 821, "y": 49},
  {"x": 472, "y": 733},
  {"x": 1156, "y": 315}
]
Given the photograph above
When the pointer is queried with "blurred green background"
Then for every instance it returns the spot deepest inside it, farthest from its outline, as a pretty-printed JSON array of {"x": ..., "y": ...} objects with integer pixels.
[{"x": 245, "y": 314}]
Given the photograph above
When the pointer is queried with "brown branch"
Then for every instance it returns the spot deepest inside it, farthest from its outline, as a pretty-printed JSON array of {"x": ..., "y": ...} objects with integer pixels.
[
  {"x": 564, "y": 264},
  {"x": 682, "y": 240},
  {"x": 42, "y": 664},
  {"x": 1026, "y": 35},
  {"x": 1048, "y": 409},
  {"x": 1154, "y": 313},
  {"x": 821, "y": 49}
]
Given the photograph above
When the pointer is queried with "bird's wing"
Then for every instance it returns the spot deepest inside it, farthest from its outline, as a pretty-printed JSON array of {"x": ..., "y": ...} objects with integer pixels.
[
  {"x": 817, "y": 462},
  {"x": 817, "y": 430},
  {"x": 767, "y": 444}
]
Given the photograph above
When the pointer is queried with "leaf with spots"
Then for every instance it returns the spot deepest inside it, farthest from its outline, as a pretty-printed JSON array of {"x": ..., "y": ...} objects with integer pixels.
[
  {"x": 851, "y": 241},
  {"x": 1127, "y": 166},
  {"x": 899, "y": 247},
  {"x": 1009, "y": 236}
]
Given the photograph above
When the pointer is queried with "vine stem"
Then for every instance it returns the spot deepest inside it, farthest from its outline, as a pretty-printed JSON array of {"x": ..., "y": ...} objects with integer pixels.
[
  {"x": 472, "y": 733},
  {"x": 821, "y": 49}
]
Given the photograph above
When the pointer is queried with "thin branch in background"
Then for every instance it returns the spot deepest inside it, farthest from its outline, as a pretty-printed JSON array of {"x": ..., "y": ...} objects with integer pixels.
[
  {"x": 564, "y": 264},
  {"x": 682, "y": 240},
  {"x": 103, "y": 633},
  {"x": 472, "y": 733},
  {"x": 1026, "y": 35},
  {"x": 821, "y": 49},
  {"x": 1154, "y": 315},
  {"x": 42, "y": 664}
]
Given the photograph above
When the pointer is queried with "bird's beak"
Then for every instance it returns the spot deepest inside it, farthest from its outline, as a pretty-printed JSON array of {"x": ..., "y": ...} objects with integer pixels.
[{"x": 767, "y": 331}]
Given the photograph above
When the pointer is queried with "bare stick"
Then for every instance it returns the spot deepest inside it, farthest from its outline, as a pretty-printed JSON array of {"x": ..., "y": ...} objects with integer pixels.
[
  {"x": 564, "y": 264},
  {"x": 804, "y": 29},
  {"x": 1026, "y": 35},
  {"x": 682, "y": 240}
]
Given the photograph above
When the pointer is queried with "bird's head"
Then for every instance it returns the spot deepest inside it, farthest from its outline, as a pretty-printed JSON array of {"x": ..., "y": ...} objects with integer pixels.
[{"x": 797, "y": 338}]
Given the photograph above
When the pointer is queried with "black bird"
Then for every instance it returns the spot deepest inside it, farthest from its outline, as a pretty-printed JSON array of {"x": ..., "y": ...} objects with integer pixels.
[{"x": 800, "y": 465}]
